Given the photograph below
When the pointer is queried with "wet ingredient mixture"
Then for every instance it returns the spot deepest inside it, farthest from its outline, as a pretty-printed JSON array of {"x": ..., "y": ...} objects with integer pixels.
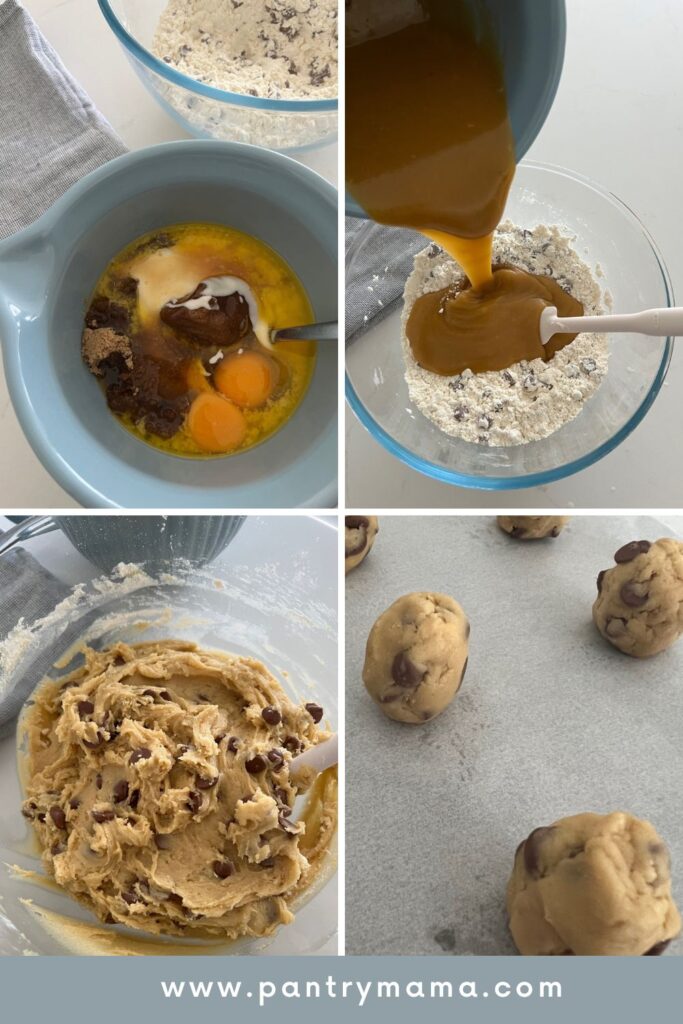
[
  {"x": 432, "y": 149},
  {"x": 159, "y": 790},
  {"x": 177, "y": 332}
]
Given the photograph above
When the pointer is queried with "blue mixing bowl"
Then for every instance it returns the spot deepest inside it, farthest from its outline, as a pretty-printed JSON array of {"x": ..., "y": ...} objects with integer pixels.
[
  {"x": 49, "y": 270},
  {"x": 531, "y": 45}
]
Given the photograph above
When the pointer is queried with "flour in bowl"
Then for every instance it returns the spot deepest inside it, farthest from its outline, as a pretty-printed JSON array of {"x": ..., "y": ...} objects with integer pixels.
[
  {"x": 530, "y": 400},
  {"x": 273, "y": 49}
]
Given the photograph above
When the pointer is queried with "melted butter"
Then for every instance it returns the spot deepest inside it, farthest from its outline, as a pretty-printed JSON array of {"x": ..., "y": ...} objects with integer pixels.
[{"x": 429, "y": 146}]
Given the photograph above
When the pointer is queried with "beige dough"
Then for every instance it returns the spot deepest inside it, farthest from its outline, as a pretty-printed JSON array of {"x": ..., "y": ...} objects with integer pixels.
[
  {"x": 592, "y": 885},
  {"x": 359, "y": 536},
  {"x": 639, "y": 607},
  {"x": 532, "y": 527},
  {"x": 159, "y": 789},
  {"x": 416, "y": 657}
]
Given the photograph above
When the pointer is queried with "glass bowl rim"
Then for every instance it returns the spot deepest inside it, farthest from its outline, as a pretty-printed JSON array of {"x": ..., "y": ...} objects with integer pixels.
[
  {"x": 130, "y": 43},
  {"x": 504, "y": 483}
]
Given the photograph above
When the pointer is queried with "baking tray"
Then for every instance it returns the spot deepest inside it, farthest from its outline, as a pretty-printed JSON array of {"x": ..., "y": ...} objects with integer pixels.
[{"x": 550, "y": 721}]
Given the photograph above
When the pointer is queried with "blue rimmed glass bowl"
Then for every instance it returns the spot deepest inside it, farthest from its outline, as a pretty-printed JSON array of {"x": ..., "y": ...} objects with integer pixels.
[
  {"x": 607, "y": 233},
  {"x": 206, "y": 112}
]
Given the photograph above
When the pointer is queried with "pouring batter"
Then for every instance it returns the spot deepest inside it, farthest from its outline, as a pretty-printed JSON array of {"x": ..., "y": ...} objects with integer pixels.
[{"x": 429, "y": 146}]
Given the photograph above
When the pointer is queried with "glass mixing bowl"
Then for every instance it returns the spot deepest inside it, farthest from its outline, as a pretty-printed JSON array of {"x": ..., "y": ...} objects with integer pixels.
[
  {"x": 270, "y": 595},
  {"x": 607, "y": 233},
  {"x": 208, "y": 113}
]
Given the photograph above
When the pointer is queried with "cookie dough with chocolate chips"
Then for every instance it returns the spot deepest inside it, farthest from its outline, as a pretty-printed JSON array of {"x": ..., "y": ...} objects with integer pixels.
[
  {"x": 592, "y": 885},
  {"x": 416, "y": 657},
  {"x": 532, "y": 527},
  {"x": 159, "y": 789},
  {"x": 639, "y": 607},
  {"x": 359, "y": 537}
]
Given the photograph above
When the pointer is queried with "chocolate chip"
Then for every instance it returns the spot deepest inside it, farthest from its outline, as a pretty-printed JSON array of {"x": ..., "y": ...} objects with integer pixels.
[
  {"x": 102, "y": 816},
  {"x": 28, "y": 813},
  {"x": 149, "y": 693},
  {"x": 119, "y": 660},
  {"x": 315, "y": 711},
  {"x": 162, "y": 841},
  {"x": 134, "y": 798},
  {"x": 276, "y": 758},
  {"x": 165, "y": 695},
  {"x": 140, "y": 755},
  {"x": 58, "y": 816},
  {"x": 271, "y": 716},
  {"x": 255, "y": 764},
  {"x": 41, "y": 817},
  {"x": 174, "y": 897},
  {"x": 121, "y": 791},
  {"x": 286, "y": 825},
  {"x": 233, "y": 744},
  {"x": 631, "y": 551},
  {"x": 658, "y": 948},
  {"x": 269, "y": 862},
  {"x": 85, "y": 707},
  {"x": 614, "y": 626},
  {"x": 57, "y": 848},
  {"x": 532, "y": 849},
  {"x": 222, "y": 868},
  {"x": 74, "y": 803},
  {"x": 405, "y": 672},
  {"x": 98, "y": 781},
  {"x": 219, "y": 738},
  {"x": 601, "y": 576},
  {"x": 94, "y": 744},
  {"x": 130, "y": 898},
  {"x": 518, "y": 532},
  {"x": 292, "y": 744},
  {"x": 630, "y": 596},
  {"x": 282, "y": 796},
  {"x": 194, "y": 801},
  {"x": 204, "y": 783}
]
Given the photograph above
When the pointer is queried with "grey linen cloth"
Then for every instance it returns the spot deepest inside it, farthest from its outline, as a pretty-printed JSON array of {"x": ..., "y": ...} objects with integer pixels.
[
  {"x": 29, "y": 592},
  {"x": 376, "y": 277},
  {"x": 50, "y": 132}
]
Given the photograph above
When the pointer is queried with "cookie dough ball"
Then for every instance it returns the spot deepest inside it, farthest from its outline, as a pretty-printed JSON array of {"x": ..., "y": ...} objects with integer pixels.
[
  {"x": 416, "y": 657},
  {"x": 360, "y": 535},
  {"x": 592, "y": 885},
  {"x": 532, "y": 527},
  {"x": 639, "y": 607}
]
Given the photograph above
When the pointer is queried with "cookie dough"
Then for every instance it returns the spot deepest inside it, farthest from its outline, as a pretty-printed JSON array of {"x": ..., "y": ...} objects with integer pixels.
[
  {"x": 159, "y": 789},
  {"x": 639, "y": 607},
  {"x": 592, "y": 885},
  {"x": 416, "y": 657},
  {"x": 359, "y": 537},
  {"x": 532, "y": 527}
]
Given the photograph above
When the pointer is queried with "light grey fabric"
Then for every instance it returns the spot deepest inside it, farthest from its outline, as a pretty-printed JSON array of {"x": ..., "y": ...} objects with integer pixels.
[
  {"x": 50, "y": 133},
  {"x": 28, "y": 592},
  {"x": 376, "y": 273}
]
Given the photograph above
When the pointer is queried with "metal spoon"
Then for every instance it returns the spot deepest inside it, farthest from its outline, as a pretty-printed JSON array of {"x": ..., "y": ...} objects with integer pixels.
[{"x": 328, "y": 331}]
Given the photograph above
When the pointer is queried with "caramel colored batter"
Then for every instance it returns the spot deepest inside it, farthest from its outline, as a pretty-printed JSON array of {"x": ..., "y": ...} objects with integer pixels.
[
  {"x": 159, "y": 789},
  {"x": 490, "y": 328},
  {"x": 429, "y": 146}
]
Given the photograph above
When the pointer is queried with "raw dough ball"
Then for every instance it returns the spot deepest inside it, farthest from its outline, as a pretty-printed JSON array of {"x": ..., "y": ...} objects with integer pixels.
[
  {"x": 159, "y": 789},
  {"x": 639, "y": 607},
  {"x": 360, "y": 535},
  {"x": 416, "y": 656},
  {"x": 532, "y": 527},
  {"x": 592, "y": 885}
]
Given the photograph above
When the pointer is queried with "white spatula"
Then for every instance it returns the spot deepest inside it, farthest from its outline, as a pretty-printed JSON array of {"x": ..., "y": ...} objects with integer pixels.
[{"x": 657, "y": 322}]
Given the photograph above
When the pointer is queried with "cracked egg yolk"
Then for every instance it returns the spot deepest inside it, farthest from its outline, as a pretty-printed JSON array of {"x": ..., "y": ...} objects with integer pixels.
[{"x": 216, "y": 424}]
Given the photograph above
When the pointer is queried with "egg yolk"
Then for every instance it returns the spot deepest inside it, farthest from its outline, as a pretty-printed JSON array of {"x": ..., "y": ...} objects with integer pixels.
[
  {"x": 247, "y": 378},
  {"x": 216, "y": 424}
]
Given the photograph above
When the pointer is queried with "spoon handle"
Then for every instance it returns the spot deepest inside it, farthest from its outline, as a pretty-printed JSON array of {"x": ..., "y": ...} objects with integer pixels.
[
  {"x": 328, "y": 331},
  {"x": 320, "y": 757},
  {"x": 654, "y": 322}
]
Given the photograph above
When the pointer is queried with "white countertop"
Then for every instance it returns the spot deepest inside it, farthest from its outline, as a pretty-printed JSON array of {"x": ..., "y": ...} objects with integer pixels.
[
  {"x": 616, "y": 119},
  {"x": 105, "y": 74}
]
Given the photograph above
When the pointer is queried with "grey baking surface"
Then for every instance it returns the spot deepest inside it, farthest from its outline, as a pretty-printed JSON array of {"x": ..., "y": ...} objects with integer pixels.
[{"x": 550, "y": 721}]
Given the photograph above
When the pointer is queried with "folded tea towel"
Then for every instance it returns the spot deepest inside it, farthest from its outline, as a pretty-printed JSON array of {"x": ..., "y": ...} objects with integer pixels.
[
  {"x": 51, "y": 135},
  {"x": 376, "y": 276},
  {"x": 27, "y": 592}
]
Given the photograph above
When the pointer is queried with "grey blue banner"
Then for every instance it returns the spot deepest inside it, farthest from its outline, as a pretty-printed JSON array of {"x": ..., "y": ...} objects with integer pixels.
[{"x": 552, "y": 990}]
